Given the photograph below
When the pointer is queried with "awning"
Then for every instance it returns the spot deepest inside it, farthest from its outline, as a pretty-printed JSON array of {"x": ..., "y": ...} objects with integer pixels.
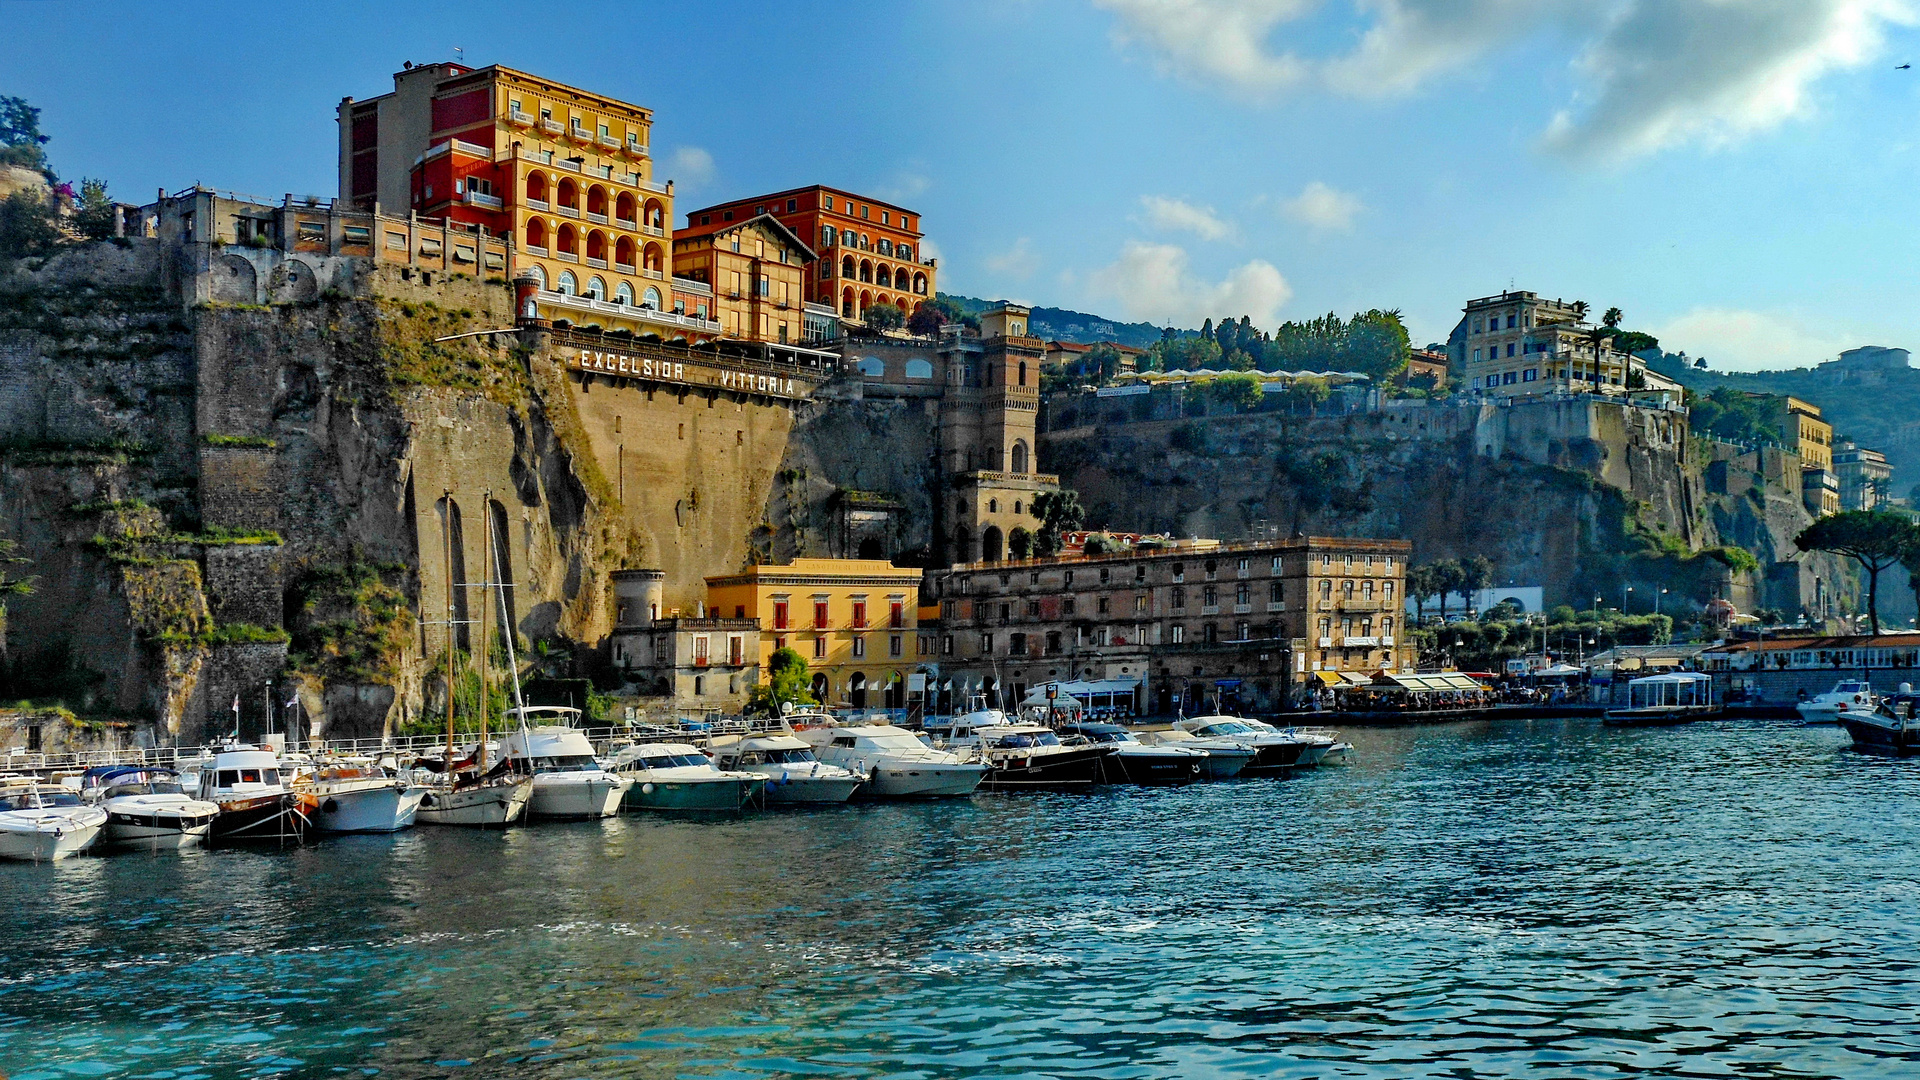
[{"x": 1331, "y": 678}]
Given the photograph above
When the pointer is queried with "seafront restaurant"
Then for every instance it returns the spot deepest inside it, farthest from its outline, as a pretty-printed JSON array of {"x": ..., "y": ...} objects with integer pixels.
[
  {"x": 1414, "y": 695},
  {"x": 1783, "y": 670}
]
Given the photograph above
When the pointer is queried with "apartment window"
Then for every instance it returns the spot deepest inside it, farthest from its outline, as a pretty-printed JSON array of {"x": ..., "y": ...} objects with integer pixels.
[
  {"x": 1140, "y": 573},
  {"x": 1477, "y": 326},
  {"x": 1209, "y": 597},
  {"x": 893, "y": 646},
  {"x": 736, "y": 649},
  {"x": 1139, "y": 605},
  {"x": 1476, "y": 379},
  {"x": 1179, "y": 633},
  {"x": 896, "y": 612},
  {"x": 1273, "y": 593},
  {"x": 779, "y": 614},
  {"x": 1510, "y": 320},
  {"x": 1509, "y": 352},
  {"x": 700, "y": 650},
  {"x": 819, "y": 614},
  {"x": 1179, "y": 572},
  {"x": 1507, "y": 379},
  {"x": 1033, "y": 609},
  {"x": 1386, "y": 589},
  {"x": 1106, "y": 575},
  {"x": 986, "y": 644},
  {"x": 1326, "y": 559},
  {"x": 946, "y": 645},
  {"x": 1242, "y": 566},
  {"x": 1243, "y": 595},
  {"x": 1347, "y": 563},
  {"x": 1326, "y": 589},
  {"x": 1276, "y": 564},
  {"x": 859, "y": 647},
  {"x": 1476, "y": 357},
  {"x": 779, "y": 642},
  {"x": 1366, "y": 589},
  {"x": 1346, "y": 590},
  {"x": 864, "y": 212},
  {"x": 1016, "y": 644},
  {"x": 1066, "y": 605},
  {"x": 1069, "y": 579},
  {"x": 860, "y": 611},
  {"x": 1530, "y": 375},
  {"x": 1245, "y": 631},
  {"x": 1179, "y": 599},
  {"x": 827, "y": 202},
  {"x": 1100, "y": 605},
  {"x": 1326, "y": 627}
]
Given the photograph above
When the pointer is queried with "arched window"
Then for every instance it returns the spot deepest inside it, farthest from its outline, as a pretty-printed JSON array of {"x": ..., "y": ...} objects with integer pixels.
[
  {"x": 886, "y": 246},
  {"x": 623, "y": 253},
  {"x": 866, "y": 271},
  {"x": 569, "y": 193},
  {"x": 596, "y": 288},
  {"x": 920, "y": 284},
  {"x": 623, "y": 209},
  {"x": 1326, "y": 590},
  {"x": 872, "y": 366},
  {"x": 537, "y": 186},
  {"x": 1346, "y": 589},
  {"x": 650, "y": 258},
  {"x": 990, "y": 547},
  {"x": 866, "y": 242},
  {"x": 597, "y": 200},
  {"x": 1386, "y": 627},
  {"x": 1366, "y": 590},
  {"x": 652, "y": 299},
  {"x": 567, "y": 284},
  {"x": 623, "y": 294},
  {"x": 536, "y": 233},
  {"x": 919, "y": 369},
  {"x": 846, "y": 267},
  {"x": 1019, "y": 457},
  {"x": 597, "y": 245},
  {"x": 846, "y": 303},
  {"x": 569, "y": 240},
  {"x": 653, "y": 214}
]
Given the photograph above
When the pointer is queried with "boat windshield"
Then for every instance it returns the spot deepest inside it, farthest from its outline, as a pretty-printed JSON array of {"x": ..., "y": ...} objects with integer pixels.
[
  {"x": 1851, "y": 688},
  {"x": 152, "y": 787},
  {"x": 36, "y": 800},
  {"x": 1108, "y": 736},
  {"x": 790, "y": 757},
  {"x": 1227, "y": 727},
  {"x": 1023, "y": 739},
  {"x": 671, "y": 761},
  {"x": 565, "y": 763},
  {"x": 234, "y": 777}
]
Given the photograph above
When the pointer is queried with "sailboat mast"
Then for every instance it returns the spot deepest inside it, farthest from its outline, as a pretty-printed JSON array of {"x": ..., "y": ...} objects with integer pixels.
[
  {"x": 486, "y": 643},
  {"x": 446, "y": 552}
]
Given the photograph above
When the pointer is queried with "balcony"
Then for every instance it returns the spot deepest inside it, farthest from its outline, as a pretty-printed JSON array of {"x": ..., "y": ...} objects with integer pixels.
[
  {"x": 628, "y": 224},
  {"x": 541, "y": 205},
  {"x": 597, "y": 219},
  {"x": 566, "y": 256},
  {"x": 1360, "y": 642},
  {"x": 490, "y": 202},
  {"x": 1242, "y": 609},
  {"x": 627, "y": 311},
  {"x": 1280, "y": 605},
  {"x": 609, "y": 142},
  {"x": 563, "y": 163},
  {"x": 581, "y": 134},
  {"x": 657, "y": 189},
  {"x": 653, "y": 275},
  {"x": 567, "y": 211},
  {"x": 520, "y": 119},
  {"x": 597, "y": 264},
  {"x": 1326, "y": 643},
  {"x": 1210, "y": 609},
  {"x": 472, "y": 149},
  {"x": 551, "y": 126},
  {"x": 635, "y": 146},
  {"x": 533, "y": 249},
  {"x": 654, "y": 230},
  {"x": 625, "y": 268}
]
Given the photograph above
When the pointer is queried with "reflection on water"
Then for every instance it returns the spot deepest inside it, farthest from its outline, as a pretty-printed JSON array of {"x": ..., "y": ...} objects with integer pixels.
[{"x": 1544, "y": 899}]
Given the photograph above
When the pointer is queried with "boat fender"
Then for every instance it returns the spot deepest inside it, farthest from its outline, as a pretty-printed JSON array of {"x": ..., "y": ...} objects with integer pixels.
[
  {"x": 646, "y": 789},
  {"x": 330, "y": 806}
]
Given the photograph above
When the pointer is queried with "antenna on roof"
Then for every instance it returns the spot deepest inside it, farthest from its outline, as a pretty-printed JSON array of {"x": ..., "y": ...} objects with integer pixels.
[{"x": 459, "y": 54}]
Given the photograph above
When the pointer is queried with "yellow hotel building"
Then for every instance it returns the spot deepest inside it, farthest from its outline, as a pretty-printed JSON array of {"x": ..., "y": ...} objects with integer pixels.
[{"x": 853, "y": 620}]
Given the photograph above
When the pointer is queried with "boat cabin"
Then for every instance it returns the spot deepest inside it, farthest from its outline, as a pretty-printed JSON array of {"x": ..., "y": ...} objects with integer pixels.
[{"x": 240, "y": 772}]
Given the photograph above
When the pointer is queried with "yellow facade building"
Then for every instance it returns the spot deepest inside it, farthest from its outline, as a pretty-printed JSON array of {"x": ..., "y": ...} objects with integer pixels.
[
  {"x": 853, "y": 620},
  {"x": 755, "y": 269}
]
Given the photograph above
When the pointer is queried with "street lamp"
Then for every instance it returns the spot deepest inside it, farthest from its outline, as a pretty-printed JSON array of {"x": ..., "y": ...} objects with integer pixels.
[
  {"x": 1626, "y": 592},
  {"x": 1656, "y": 600}
]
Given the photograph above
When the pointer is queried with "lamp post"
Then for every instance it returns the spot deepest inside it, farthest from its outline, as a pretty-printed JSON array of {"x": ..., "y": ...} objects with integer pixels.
[
  {"x": 1624, "y": 593},
  {"x": 1656, "y": 599},
  {"x": 1596, "y": 603}
]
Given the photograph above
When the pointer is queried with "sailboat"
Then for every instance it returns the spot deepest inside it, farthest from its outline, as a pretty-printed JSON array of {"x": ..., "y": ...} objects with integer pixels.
[{"x": 467, "y": 792}]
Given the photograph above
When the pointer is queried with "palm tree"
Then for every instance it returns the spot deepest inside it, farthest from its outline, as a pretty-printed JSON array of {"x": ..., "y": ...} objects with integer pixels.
[
  {"x": 1580, "y": 308},
  {"x": 1612, "y": 317}
]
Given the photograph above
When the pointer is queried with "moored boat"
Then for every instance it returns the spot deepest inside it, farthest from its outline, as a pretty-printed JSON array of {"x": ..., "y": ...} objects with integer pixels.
[
  {"x": 897, "y": 763},
  {"x": 793, "y": 773},
  {"x": 1135, "y": 762},
  {"x": 1674, "y": 697},
  {"x": 361, "y": 799},
  {"x": 255, "y": 804},
  {"x": 1847, "y": 695},
  {"x": 1225, "y": 758},
  {"x": 39, "y": 823},
  {"x": 1022, "y": 755},
  {"x": 1888, "y": 727},
  {"x": 677, "y": 776},
  {"x": 146, "y": 805},
  {"x": 1274, "y": 752},
  {"x": 568, "y": 781}
]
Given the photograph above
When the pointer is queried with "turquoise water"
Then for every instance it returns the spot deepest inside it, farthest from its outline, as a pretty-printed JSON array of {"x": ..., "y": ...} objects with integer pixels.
[{"x": 1544, "y": 899}]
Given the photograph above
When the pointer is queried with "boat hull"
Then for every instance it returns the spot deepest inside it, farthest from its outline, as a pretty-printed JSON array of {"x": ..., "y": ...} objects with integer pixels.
[
  {"x": 1071, "y": 768},
  {"x": 50, "y": 842},
  {"x": 557, "y": 796},
  {"x": 157, "y": 828},
  {"x": 283, "y": 818},
  {"x": 1880, "y": 738},
  {"x": 1220, "y": 765},
  {"x": 1271, "y": 759},
  {"x": 791, "y": 790},
  {"x": 1659, "y": 716},
  {"x": 489, "y": 806},
  {"x": 723, "y": 793},
  {"x": 383, "y": 809},
  {"x": 917, "y": 781},
  {"x": 1150, "y": 768}
]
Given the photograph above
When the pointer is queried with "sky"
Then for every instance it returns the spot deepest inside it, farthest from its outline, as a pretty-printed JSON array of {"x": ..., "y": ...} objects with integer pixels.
[{"x": 1736, "y": 175}]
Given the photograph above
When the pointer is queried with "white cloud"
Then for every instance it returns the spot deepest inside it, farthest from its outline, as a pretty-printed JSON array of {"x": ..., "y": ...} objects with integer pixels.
[
  {"x": 1220, "y": 41},
  {"x": 1152, "y": 283},
  {"x": 1177, "y": 214},
  {"x": 1713, "y": 72},
  {"x": 1018, "y": 261},
  {"x": 1323, "y": 207},
  {"x": 1734, "y": 340},
  {"x": 1649, "y": 74},
  {"x": 691, "y": 166}
]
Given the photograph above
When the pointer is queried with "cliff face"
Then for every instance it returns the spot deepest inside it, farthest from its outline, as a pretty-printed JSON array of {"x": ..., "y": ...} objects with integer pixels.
[{"x": 1575, "y": 503}]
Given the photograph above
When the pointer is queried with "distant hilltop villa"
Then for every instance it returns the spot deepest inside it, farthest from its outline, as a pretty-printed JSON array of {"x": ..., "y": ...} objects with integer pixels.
[{"x": 1868, "y": 363}]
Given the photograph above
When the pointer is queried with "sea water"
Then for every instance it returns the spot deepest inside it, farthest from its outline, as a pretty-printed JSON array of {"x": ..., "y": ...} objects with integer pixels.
[{"x": 1538, "y": 899}]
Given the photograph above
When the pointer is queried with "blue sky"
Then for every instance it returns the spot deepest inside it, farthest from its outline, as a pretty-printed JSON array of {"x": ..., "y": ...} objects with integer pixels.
[{"x": 1737, "y": 175}]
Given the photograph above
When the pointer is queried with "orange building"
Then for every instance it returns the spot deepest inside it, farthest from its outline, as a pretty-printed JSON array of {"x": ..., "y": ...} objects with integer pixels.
[
  {"x": 755, "y": 269},
  {"x": 568, "y": 174},
  {"x": 869, "y": 251}
]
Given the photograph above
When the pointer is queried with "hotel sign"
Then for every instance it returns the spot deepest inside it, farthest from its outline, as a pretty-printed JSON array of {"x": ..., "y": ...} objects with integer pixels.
[{"x": 696, "y": 373}]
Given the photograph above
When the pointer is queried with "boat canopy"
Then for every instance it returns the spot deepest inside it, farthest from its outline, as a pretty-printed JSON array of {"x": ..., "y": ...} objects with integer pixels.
[{"x": 1676, "y": 689}]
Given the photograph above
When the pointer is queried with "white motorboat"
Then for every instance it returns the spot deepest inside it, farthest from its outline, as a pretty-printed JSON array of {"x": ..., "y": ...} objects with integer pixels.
[
  {"x": 1226, "y": 758},
  {"x": 1021, "y": 754},
  {"x": 1847, "y": 695},
  {"x": 146, "y": 805},
  {"x": 897, "y": 763},
  {"x": 39, "y": 823},
  {"x": 1274, "y": 751},
  {"x": 677, "y": 776},
  {"x": 356, "y": 798},
  {"x": 793, "y": 774},
  {"x": 1316, "y": 743},
  {"x": 1890, "y": 726},
  {"x": 1135, "y": 762},
  {"x": 256, "y": 805},
  {"x": 568, "y": 781}
]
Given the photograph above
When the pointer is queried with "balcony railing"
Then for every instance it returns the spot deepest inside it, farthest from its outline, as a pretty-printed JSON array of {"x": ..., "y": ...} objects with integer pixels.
[
  {"x": 658, "y": 189},
  {"x": 519, "y": 118},
  {"x": 563, "y": 163},
  {"x": 597, "y": 264},
  {"x": 654, "y": 230},
  {"x": 609, "y": 141},
  {"x": 627, "y": 223},
  {"x": 654, "y": 275},
  {"x": 491, "y": 202},
  {"x": 625, "y": 268},
  {"x": 552, "y": 127},
  {"x": 566, "y": 256},
  {"x": 534, "y": 249},
  {"x": 644, "y": 314},
  {"x": 582, "y": 134},
  {"x": 597, "y": 219},
  {"x": 567, "y": 211},
  {"x": 540, "y": 204},
  {"x": 472, "y": 149}
]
